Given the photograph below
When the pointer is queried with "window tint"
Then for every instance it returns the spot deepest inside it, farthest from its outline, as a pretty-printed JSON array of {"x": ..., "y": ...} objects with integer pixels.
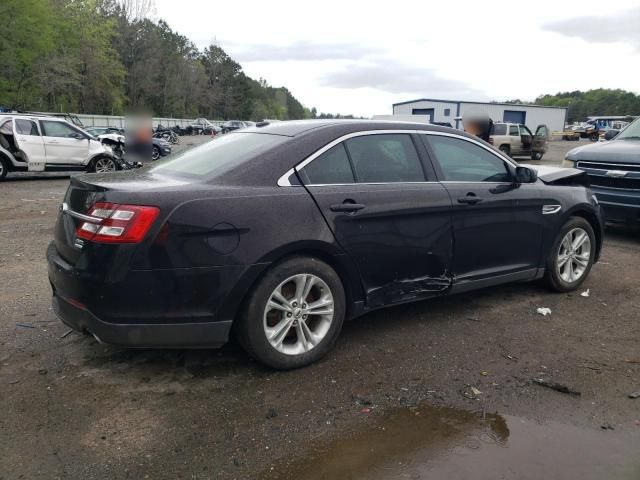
[
  {"x": 499, "y": 129},
  {"x": 219, "y": 155},
  {"x": 385, "y": 158},
  {"x": 513, "y": 130},
  {"x": 26, "y": 127},
  {"x": 329, "y": 168},
  {"x": 57, "y": 129},
  {"x": 463, "y": 161}
]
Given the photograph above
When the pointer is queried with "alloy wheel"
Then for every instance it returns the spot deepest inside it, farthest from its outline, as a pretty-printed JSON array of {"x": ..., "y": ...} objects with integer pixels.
[
  {"x": 574, "y": 255},
  {"x": 298, "y": 314},
  {"x": 104, "y": 165}
]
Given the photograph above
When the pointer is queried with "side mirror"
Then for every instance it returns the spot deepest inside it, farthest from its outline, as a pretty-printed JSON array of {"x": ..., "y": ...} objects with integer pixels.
[
  {"x": 526, "y": 175},
  {"x": 77, "y": 136}
]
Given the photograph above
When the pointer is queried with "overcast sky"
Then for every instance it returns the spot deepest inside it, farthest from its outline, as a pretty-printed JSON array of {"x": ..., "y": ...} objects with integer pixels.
[{"x": 360, "y": 57}]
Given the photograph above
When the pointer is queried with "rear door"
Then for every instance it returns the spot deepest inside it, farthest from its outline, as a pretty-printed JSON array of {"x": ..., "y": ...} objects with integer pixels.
[
  {"x": 64, "y": 144},
  {"x": 496, "y": 222},
  {"x": 540, "y": 139},
  {"x": 29, "y": 141},
  {"x": 386, "y": 212}
]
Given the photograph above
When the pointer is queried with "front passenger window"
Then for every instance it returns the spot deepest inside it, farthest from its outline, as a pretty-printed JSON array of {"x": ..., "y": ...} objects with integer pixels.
[
  {"x": 464, "y": 161},
  {"x": 57, "y": 129}
]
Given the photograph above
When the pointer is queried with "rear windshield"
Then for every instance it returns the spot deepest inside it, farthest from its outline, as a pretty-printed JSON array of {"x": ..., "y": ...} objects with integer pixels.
[
  {"x": 500, "y": 129},
  {"x": 219, "y": 155}
]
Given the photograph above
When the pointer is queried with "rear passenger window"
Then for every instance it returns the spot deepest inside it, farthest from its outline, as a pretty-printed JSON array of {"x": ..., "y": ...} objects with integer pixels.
[
  {"x": 385, "y": 158},
  {"x": 331, "y": 167},
  {"x": 463, "y": 161},
  {"x": 513, "y": 130},
  {"x": 26, "y": 127}
]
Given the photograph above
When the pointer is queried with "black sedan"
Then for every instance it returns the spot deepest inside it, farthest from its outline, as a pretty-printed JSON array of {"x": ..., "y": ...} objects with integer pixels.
[{"x": 278, "y": 233}]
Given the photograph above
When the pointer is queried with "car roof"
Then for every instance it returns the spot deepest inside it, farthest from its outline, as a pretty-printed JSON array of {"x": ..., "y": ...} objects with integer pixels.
[
  {"x": 31, "y": 116},
  {"x": 292, "y": 128}
]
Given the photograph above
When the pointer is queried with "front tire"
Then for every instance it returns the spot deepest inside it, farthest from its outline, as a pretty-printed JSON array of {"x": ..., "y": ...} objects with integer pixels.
[
  {"x": 155, "y": 153},
  {"x": 104, "y": 165},
  {"x": 294, "y": 314},
  {"x": 571, "y": 256}
]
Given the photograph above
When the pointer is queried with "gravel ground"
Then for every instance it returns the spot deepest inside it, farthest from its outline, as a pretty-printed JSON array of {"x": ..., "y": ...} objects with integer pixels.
[{"x": 398, "y": 379}]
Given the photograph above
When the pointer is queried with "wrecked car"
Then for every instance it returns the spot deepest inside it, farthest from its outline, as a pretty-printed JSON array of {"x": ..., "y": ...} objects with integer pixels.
[
  {"x": 278, "y": 233},
  {"x": 41, "y": 143}
]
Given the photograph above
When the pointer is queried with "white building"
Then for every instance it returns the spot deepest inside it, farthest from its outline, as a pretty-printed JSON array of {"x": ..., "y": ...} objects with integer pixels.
[{"x": 443, "y": 111}]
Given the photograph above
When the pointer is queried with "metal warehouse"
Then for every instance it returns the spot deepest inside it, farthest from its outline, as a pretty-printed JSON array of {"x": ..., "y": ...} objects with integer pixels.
[{"x": 448, "y": 110}]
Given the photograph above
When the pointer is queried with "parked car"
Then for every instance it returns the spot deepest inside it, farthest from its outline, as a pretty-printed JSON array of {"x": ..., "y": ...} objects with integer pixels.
[
  {"x": 614, "y": 173},
  {"x": 159, "y": 148},
  {"x": 39, "y": 143},
  {"x": 232, "y": 125},
  {"x": 279, "y": 233},
  {"x": 201, "y": 126},
  {"x": 97, "y": 131},
  {"x": 516, "y": 139}
]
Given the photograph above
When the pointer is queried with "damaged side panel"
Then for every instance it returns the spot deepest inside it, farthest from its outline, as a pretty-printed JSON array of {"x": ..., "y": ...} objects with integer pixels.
[{"x": 408, "y": 289}]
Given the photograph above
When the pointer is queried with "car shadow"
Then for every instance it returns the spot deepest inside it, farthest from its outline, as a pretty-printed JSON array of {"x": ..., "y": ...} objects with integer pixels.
[{"x": 181, "y": 365}]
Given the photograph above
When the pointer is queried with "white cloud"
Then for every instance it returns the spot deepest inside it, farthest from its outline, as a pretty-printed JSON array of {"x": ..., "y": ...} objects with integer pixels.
[{"x": 357, "y": 57}]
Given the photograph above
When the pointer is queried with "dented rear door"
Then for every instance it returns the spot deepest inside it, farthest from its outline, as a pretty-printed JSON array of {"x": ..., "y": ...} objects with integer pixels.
[{"x": 397, "y": 232}]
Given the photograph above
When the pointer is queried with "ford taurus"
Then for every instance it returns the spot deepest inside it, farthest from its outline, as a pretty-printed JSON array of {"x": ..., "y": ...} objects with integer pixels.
[{"x": 278, "y": 233}]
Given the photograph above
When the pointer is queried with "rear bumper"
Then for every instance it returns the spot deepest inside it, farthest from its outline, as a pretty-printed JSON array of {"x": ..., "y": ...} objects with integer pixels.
[
  {"x": 183, "y": 308},
  {"x": 183, "y": 335}
]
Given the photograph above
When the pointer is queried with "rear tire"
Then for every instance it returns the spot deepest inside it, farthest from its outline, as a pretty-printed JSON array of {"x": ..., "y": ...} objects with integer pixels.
[
  {"x": 277, "y": 325},
  {"x": 506, "y": 149},
  {"x": 4, "y": 168},
  {"x": 571, "y": 256},
  {"x": 537, "y": 156}
]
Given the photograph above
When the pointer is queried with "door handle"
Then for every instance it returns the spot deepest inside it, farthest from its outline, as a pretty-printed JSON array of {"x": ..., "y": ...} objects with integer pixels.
[
  {"x": 347, "y": 207},
  {"x": 470, "y": 199},
  {"x": 53, "y": 141}
]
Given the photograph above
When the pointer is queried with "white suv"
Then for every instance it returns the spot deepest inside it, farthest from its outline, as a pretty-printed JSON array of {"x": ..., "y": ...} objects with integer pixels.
[{"x": 38, "y": 143}]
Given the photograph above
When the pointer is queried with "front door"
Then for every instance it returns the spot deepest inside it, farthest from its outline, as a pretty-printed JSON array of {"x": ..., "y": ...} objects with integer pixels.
[
  {"x": 540, "y": 139},
  {"x": 527, "y": 139},
  {"x": 392, "y": 223},
  {"x": 30, "y": 143},
  {"x": 65, "y": 145},
  {"x": 496, "y": 222}
]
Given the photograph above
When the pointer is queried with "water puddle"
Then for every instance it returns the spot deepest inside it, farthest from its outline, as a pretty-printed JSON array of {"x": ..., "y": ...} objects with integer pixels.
[{"x": 429, "y": 442}]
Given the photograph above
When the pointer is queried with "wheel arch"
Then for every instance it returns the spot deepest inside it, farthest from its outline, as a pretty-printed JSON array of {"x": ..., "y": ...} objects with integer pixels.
[
  {"x": 590, "y": 216},
  {"x": 327, "y": 253}
]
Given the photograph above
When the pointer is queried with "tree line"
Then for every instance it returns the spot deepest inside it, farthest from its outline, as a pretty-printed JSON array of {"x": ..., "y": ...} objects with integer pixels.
[
  {"x": 601, "y": 101},
  {"x": 106, "y": 57}
]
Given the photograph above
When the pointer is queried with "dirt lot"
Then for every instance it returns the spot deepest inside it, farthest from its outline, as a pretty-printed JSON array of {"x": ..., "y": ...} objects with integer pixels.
[{"x": 437, "y": 389}]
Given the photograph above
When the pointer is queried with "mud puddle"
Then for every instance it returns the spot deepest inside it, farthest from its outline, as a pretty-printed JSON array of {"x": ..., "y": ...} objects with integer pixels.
[{"x": 428, "y": 442}]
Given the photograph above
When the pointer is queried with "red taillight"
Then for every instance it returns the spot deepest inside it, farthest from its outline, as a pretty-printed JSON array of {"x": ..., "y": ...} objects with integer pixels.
[{"x": 116, "y": 223}]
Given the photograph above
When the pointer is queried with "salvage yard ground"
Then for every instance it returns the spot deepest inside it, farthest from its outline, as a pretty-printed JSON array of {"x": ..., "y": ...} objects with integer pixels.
[{"x": 436, "y": 389}]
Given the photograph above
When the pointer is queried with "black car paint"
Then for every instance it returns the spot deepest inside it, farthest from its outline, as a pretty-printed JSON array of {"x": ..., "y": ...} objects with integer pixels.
[
  {"x": 215, "y": 238},
  {"x": 618, "y": 195}
]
